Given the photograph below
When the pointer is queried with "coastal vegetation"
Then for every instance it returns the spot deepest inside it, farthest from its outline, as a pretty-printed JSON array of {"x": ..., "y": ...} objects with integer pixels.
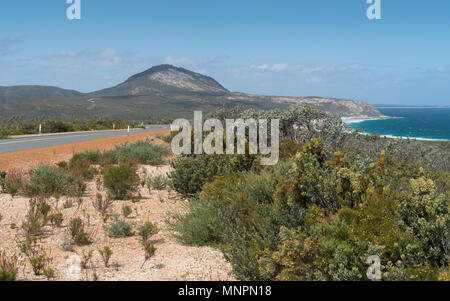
[{"x": 334, "y": 199}]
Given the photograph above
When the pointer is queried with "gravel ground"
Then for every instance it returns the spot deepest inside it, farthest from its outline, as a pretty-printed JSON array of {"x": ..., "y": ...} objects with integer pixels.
[{"x": 172, "y": 260}]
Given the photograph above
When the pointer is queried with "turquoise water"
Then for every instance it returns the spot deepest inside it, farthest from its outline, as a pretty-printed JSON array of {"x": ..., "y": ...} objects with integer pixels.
[{"x": 422, "y": 123}]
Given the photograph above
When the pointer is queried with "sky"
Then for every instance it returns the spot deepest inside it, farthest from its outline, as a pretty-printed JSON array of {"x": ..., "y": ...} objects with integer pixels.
[{"x": 323, "y": 48}]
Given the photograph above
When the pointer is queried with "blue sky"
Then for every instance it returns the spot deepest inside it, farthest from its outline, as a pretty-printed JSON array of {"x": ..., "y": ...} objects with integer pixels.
[{"x": 278, "y": 47}]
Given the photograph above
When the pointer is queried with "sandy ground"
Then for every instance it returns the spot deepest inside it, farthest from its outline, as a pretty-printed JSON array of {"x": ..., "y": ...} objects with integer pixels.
[
  {"x": 172, "y": 260},
  {"x": 31, "y": 158}
]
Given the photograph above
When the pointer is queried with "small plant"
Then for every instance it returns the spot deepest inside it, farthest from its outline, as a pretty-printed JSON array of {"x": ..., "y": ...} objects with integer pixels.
[
  {"x": 77, "y": 232},
  {"x": 158, "y": 182},
  {"x": 56, "y": 219},
  {"x": 106, "y": 253},
  {"x": 68, "y": 204},
  {"x": 14, "y": 181},
  {"x": 147, "y": 230},
  {"x": 3, "y": 181},
  {"x": 102, "y": 205},
  {"x": 149, "y": 251},
  {"x": 119, "y": 228},
  {"x": 79, "y": 202},
  {"x": 126, "y": 210},
  {"x": 121, "y": 181},
  {"x": 99, "y": 184},
  {"x": 8, "y": 267},
  {"x": 13, "y": 226},
  {"x": 36, "y": 254},
  {"x": 37, "y": 217},
  {"x": 85, "y": 258},
  {"x": 49, "y": 273}
]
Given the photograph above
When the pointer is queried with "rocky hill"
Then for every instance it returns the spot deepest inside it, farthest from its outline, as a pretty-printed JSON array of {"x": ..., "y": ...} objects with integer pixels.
[{"x": 163, "y": 79}]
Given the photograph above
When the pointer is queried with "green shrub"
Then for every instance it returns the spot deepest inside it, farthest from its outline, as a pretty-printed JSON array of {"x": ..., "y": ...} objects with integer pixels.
[
  {"x": 168, "y": 138},
  {"x": 3, "y": 181},
  {"x": 126, "y": 210},
  {"x": 8, "y": 267},
  {"x": 77, "y": 232},
  {"x": 36, "y": 254},
  {"x": 102, "y": 205},
  {"x": 37, "y": 217},
  {"x": 47, "y": 180},
  {"x": 190, "y": 174},
  {"x": 147, "y": 230},
  {"x": 56, "y": 219},
  {"x": 142, "y": 152},
  {"x": 119, "y": 228},
  {"x": 158, "y": 182},
  {"x": 106, "y": 254},
  {"x": 426, "y": 214},
  {"x": 14, "y": 182},
  {"x": 86, "y": 257},
  {"x": 121, "y": 181}
]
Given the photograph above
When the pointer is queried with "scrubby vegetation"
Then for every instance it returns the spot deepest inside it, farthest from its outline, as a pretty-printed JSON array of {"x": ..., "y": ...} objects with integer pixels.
[
  {"x": 140, "y": 152},
  {"x": 18, "y": 127},
  {"x": 57, "y": 206},
  {"x": 334, "y": 199},
  {"x": 48, "y": 180},
  {"x": 119, "y": 228},
  {"x": 8, "y": 267},
  {"x": 121, "y": 181}
]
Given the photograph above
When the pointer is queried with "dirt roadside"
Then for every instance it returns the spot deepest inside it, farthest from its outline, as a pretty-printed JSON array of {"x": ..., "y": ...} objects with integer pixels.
[{"x": 28, "y": 159}]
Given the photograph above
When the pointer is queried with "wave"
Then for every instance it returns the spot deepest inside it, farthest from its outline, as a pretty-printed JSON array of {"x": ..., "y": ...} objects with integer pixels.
[
  {"x": 358, "y": 120},
  {"x": 410, "y": 138}
]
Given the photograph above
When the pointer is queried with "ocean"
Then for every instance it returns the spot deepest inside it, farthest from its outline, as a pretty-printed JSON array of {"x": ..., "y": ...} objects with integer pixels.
[{"x": 419, "y": 123}]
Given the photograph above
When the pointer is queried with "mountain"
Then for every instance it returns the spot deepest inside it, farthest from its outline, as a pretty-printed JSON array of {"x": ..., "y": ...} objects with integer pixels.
[
  {"x": 26, "y": 94},
  {"x": 163, "y": 79},
  {"x": 160, "y": 93}
]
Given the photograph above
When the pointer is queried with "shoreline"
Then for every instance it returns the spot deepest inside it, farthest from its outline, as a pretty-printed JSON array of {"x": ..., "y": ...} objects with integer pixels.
[
  {"x": 357, "y": 119},
  {"x": 352, "y": 120}
]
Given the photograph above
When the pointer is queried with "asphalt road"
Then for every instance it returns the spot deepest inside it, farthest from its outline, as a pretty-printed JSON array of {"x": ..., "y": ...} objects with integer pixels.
[{"x": 32, "y": 142}]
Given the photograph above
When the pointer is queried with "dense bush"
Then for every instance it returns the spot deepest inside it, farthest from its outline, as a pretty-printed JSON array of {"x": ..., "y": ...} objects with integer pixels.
[
  {"x": 121, "y": 181},
  {"x": 142, "y": 152},
  {"x": 49, "y": 180},
  {"x": 190, "y": 174},
  {"x": 318, "y": 216}
]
